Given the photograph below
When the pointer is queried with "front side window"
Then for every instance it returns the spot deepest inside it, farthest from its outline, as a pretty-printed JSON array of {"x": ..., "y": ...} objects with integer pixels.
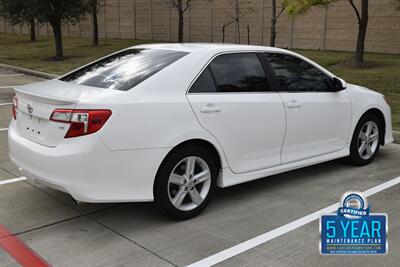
[
  {"x": 296, "y": 75},
  {"x": 233, "y": 73},
  {"x": 124, "y": 70}
]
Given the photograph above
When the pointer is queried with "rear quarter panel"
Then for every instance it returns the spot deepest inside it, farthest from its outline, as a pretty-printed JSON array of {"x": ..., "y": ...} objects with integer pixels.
[{"x": 156, "y": 113}]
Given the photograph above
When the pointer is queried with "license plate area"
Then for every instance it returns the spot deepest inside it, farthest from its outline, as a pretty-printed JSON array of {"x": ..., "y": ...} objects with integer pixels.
[{"x": 32, "y": 127}]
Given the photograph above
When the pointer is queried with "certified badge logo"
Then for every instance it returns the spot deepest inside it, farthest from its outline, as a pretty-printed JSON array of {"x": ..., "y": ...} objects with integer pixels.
[
  {"x": 353, "y": 230},
  {"x": 354, "y": 205}
]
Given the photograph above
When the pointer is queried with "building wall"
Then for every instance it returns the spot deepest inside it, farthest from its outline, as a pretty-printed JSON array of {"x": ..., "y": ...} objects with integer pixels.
[{"x": 332, "y": 28}]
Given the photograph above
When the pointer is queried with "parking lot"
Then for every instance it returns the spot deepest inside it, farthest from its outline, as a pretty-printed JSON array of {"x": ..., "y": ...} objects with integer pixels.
[{"x": 136, "y": 234}]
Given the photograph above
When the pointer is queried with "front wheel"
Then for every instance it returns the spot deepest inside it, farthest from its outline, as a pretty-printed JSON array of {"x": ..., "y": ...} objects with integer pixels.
[
  {"x": 185, "y": 182},
  {"x": 365, "y": 142}
]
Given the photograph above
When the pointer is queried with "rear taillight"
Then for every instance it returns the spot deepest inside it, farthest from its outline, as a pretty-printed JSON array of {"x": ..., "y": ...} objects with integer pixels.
[
  {"x": 82, "y": 122},
  {"x": 14, "y": 107}
]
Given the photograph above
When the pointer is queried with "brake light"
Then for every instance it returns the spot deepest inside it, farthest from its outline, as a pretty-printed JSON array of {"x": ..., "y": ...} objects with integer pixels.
[
  {"x": 82, "y": 121},
  {"x": 14, "y": 106}
]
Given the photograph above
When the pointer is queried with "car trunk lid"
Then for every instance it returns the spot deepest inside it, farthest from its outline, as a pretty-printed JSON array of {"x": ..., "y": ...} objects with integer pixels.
[{"x": 36, "y": 103}]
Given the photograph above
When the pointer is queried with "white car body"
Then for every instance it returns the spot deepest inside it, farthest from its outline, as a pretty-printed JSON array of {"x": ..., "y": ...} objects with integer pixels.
[{"x": 255, "y": 134}]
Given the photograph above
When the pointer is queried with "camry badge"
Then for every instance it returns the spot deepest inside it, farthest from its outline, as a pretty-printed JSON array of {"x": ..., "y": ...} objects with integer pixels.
[{"x": 29, "y": 108}]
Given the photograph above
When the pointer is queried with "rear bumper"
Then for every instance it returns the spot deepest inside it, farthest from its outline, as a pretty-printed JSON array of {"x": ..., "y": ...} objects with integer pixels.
[{"x": 86, "y": 169}]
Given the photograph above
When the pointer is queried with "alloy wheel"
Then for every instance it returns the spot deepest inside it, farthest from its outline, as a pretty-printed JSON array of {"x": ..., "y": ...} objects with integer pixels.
[
  {"x": 368, "y": 140},
  {"x": 189, "y": 183}
]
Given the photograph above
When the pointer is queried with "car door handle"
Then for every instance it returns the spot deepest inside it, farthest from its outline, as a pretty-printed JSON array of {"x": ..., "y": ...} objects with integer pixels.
[
  {"x": 210, "y": 108},
  {"x": 293, "y": 104}
]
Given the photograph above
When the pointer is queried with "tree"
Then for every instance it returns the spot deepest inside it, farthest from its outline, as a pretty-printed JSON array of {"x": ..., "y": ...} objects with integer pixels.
[
  {"x": 301, "y": 6},
  {"x": 238, "y": 9},
  {"x": 293, "y": 7},
  {"x": 274, "y": 19},
  {"x": 362, "y": 17},
  {"x": 297, "y": 7},
  {"x": 19, "y": 12},
  {"x": 93, "y": 7},
  {"x": 56, "y": 12},
  {"x": 181, "y": 7}
]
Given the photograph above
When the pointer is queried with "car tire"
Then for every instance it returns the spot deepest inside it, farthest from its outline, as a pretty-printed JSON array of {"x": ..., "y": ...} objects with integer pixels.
[
  {"x": 180, "y": 190},
  {"x": 366, "y": 140}
]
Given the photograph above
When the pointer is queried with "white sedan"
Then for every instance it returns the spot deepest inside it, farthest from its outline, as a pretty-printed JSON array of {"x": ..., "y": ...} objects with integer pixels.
[{"x": 170, "y": 122}]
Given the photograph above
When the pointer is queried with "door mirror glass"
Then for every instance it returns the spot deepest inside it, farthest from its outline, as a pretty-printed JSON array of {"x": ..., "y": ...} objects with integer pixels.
[{"x": 338, "y": 84}]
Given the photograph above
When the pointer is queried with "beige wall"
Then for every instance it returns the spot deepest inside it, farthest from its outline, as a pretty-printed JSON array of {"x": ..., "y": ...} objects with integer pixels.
[{"x": 334, "y": 28}]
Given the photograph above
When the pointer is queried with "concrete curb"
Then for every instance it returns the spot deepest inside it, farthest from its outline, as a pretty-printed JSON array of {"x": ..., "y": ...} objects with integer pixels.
[
  {"x": 29, "y": 71},
  {"x": 396, "y": 136}
]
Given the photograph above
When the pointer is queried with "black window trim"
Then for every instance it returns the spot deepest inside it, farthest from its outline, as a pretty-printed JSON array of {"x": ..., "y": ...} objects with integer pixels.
[
  {"x": 271, "y": 80},
  {"x": 278, "y": 86}
]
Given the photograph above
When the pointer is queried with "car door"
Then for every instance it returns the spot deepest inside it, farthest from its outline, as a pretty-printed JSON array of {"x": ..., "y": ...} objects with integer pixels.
[
  {"x": 233, "y": 100},
  {"x": 318, "y": 118}
]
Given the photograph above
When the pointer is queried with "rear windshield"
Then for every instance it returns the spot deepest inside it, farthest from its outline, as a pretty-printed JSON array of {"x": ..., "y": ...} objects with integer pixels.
[{"x": 124, "y": 70}]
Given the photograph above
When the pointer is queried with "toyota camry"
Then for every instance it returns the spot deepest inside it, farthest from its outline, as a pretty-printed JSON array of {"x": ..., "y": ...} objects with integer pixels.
[{"x": 170, "y": 122}]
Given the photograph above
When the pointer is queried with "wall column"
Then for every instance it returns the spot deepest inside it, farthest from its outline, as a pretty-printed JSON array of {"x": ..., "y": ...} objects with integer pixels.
[
  {"x": 190, "y": 24},
  {"x": 134, "y": 18},
  {"x": 290, "y": 35},
  {"x": 119, "y": 19},
  {"x": 262, "y": 22},
  {"x": 105, "y": 19},
  {"x": 211, "y": 11},
  {"x": 323, "y": 23},
  {"x": 151, "y": 19}
]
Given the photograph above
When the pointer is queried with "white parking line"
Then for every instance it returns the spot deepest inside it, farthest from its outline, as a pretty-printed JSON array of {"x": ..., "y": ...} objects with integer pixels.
[
  {"x": 9, "y": 181},
  {"x": 3, "y": 129},
  {"x": 5, "y": 87},
  {"x": 10, "y": 75},
  {"x": 5, "y": 104},
  {"x": 263, "y": 238}
]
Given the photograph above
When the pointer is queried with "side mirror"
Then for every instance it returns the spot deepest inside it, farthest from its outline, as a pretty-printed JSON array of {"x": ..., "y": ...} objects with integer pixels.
[{"x": 338, "y": 84}]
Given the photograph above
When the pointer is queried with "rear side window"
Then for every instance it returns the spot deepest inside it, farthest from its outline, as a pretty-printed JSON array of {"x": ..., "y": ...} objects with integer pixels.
[
  {"x": 124, "y": 70},
  {"x": 204, "y": 83},
  {"x": 296, "y": 75},
  {"x": 241, "y": 72}
]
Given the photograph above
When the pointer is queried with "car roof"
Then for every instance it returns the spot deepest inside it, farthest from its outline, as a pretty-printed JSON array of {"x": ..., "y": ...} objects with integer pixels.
[
  {"x": 198, "y": 50},
  {"x": 209, "y": 47}
]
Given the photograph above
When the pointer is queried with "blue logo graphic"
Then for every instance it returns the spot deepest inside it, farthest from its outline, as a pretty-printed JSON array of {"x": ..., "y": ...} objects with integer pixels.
[{"x": 353, "y": 230}]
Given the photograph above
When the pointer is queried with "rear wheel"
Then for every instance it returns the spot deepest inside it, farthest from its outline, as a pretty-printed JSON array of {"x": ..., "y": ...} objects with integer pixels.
[
  {"x": 366, "y": 140},
  {"x": 185, "y": 182}
]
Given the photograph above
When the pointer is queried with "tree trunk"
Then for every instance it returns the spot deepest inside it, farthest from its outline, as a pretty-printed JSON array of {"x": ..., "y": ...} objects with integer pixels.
[
  {"x": 238, "y": 30},
  {"x": 248, "y": 34},
  {"x": 362, "y": 32},
  {"x": 223, "y": 33},
  {"x": 237, "y": 20},
  {"x": 33, "y": 32},
  {"x": 95, "y": 25},
  {"x": 273, "y": 24},
  {"x": 273, "y": 33},
  {"x": 180, "y": 27},
  {"x": 56, "y": 25}
]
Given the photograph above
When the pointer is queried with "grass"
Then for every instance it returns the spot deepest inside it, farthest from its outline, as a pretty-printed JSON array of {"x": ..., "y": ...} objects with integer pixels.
[{"x": 16, "y": 50}]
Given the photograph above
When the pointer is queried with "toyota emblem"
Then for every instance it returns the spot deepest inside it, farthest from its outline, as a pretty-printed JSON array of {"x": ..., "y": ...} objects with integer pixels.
[{"x": 29, "y": 108}]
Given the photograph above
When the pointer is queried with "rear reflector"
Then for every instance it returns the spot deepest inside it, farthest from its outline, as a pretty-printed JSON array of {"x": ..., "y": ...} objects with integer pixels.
[
  {"x": 14, "y": 107},
  {"x": 82, "y": 121}
]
